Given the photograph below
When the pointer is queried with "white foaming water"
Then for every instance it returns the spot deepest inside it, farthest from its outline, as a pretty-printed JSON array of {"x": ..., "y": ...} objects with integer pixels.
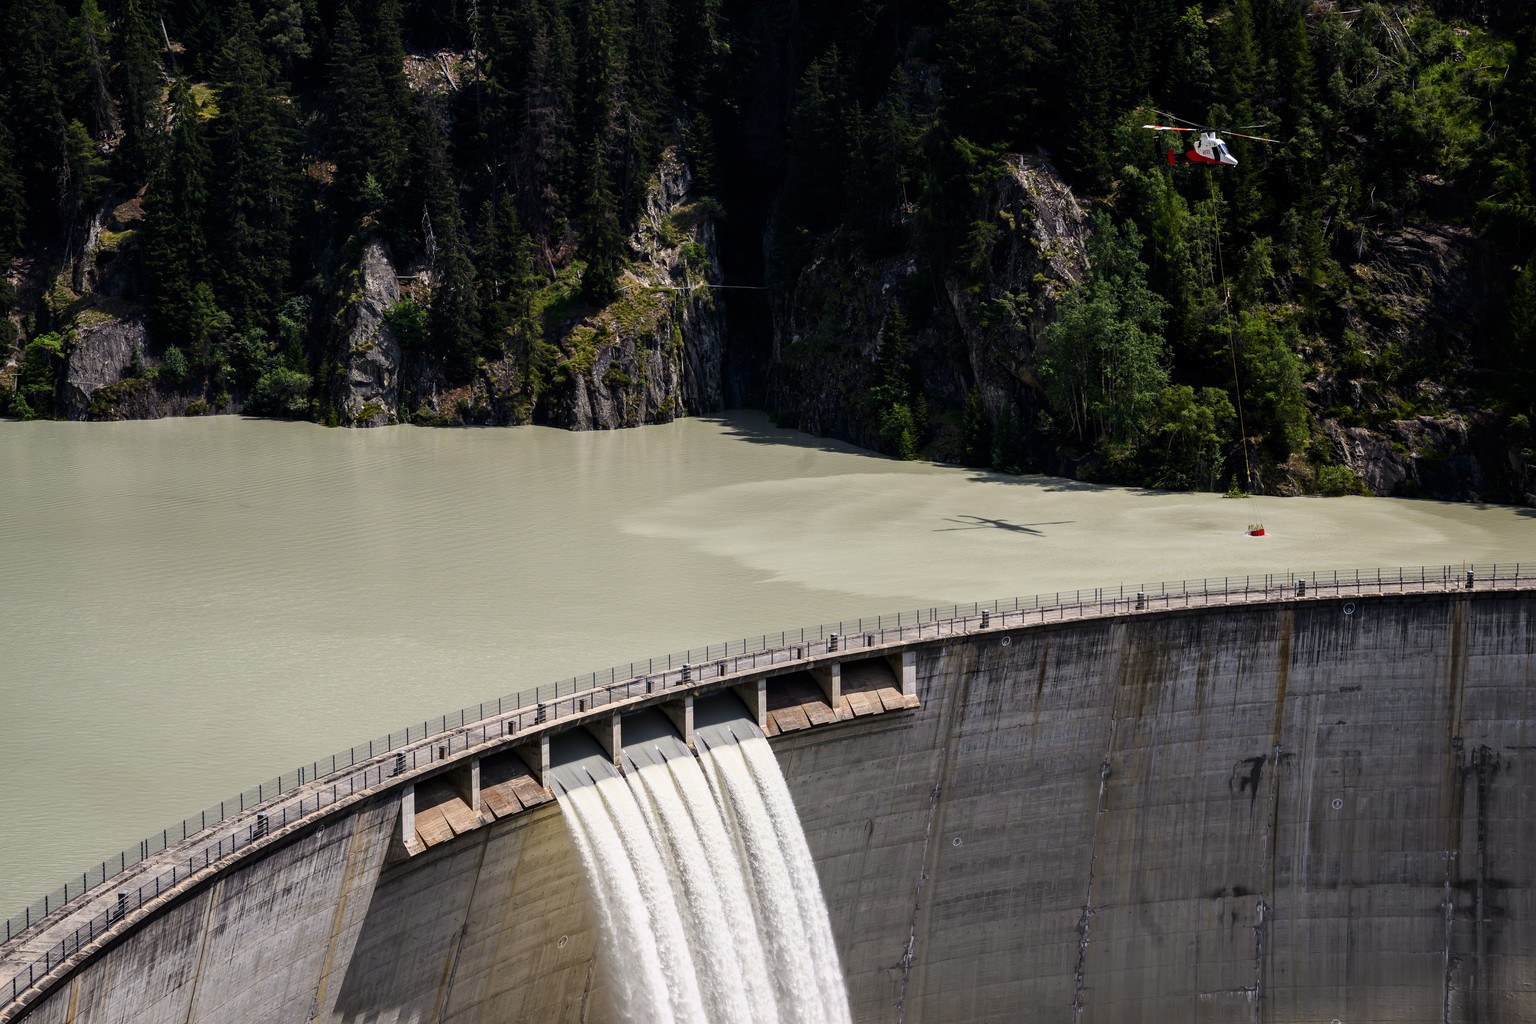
[
  {"x": 706, "y": 895},
  {"x": 783, "y": 881}
]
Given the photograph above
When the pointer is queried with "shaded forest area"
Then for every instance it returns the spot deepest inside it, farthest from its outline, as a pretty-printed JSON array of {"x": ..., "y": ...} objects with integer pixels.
[{"x": 1351, "y": 307}]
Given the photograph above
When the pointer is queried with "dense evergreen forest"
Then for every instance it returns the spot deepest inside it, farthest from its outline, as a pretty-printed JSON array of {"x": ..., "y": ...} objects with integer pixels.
[{"x": 953, "y": 235}]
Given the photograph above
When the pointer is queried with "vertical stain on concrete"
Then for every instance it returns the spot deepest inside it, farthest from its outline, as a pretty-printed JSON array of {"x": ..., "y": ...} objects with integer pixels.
[
  {"x": 451, "y": 966},
  {"x": 1085, "y": 920},
  {"x": 966, "y": 669},
  {"x": 215, "y": 892},
  {"x": 1485, "y": 765},
  {"x": 338, "y": 917},
  {"x": 1453, "y": 795},
  {"x": 1045, "y": 660},
  {"x": 917, "y": 902},
  {"x": 586, "y": 989},
  {"x": 1260, "y": 955},
  {"x": 1452, "y": 962},
  {"x": 1456, "y": 671},
  {"x": 73, "y": 1010},
  {"x": 1287, "y": 627},
  {"x": 1117, "y": 639},
  {"x": 1202, "y": 679}
]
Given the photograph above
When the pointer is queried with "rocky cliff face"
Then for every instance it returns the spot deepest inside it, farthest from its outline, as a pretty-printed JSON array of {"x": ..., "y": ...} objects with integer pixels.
[
  {"x": 1420, "y": 305},
  {"x": 652, "y": 354},
  {"x": 101, "y": 356},
  {"x": 94, "y": 303},
  {"x": 1418, "y": 300},
  {"x": 657, "y": 350},
  {"x": 368, "y": 362},
  {"x": 829, "y": 327},
  {"x": 1040, "y": 248}
]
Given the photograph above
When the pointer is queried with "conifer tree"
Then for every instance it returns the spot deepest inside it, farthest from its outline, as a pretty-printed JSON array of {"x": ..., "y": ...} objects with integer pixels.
[
  {"x": 698, "y": 47},
  {"x": 138, "y": 84},
  {"x": 543, "y": 169},
  {"x": 285, "y": 36},
  {"x": 996, "y": 55},
  {"x": 1145, "y": 31},
  {"x": 1089, "y": 77},
  {"x": 648, "y": 83},
  {"x": 12, "y": 218},
  {"x": 602, "y": 239},
  {"x": 363, "y": 122},
  {"x": 201, "y": 28},
  {"x": 1518, "y": 353},
  {"x": 35, "y": 33},
  {"x": 1298, "y": 72},
  {"x": 507, "y": 276},
  {"x": 1239, "y": 56},
  {"x": 182, "y": 308},
  {"x": 253, "y": 217},
  {"x": 454, "y": 317},
  {"x": 388, "y": 46},
  {"x": 84, "y": 182},
  {"x": 1191, "y": 78},
  {"x": 90, "y": 68}
]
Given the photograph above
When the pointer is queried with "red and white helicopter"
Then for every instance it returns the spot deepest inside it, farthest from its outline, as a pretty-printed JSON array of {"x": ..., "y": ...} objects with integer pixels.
[{"x": 1210, "y": 149}]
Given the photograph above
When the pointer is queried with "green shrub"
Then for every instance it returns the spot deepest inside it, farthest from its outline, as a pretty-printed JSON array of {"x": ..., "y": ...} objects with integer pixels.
[
  {"x": 409, "y": 319},
  {"x": 1335, "y": 481},
  {"x": 898, "y": 433},
  {"x": 281, "y": 392},
  {"x": 695, "y": 257},
  {"x": 174, "y": 369},
  {"x": 38, "y": 382},
  {"x": 1187, "y": 436}
]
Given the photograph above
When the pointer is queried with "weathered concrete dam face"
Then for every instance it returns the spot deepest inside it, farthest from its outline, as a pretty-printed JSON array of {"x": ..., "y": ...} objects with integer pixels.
[
  {"x": 1298, "y": 811},
  {"x": 1309, "y": 813}
]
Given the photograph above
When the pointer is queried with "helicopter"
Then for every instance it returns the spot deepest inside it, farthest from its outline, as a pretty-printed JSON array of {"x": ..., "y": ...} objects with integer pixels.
[{"x": 1210, "y": 149}]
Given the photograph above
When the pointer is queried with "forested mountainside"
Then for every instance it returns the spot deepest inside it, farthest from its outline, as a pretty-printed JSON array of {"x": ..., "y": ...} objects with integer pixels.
[{"x": 941, "y": 228}]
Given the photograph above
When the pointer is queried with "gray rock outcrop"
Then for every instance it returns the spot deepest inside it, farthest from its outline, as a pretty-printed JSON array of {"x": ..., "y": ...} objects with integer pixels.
[
  {"x": 1428, "y": 456},
  {"x": 1040, "y": 248},
  {"x": 368, "y": 393},
  {"x": 657, "y": 350},
  {"x": 828, "y": 326},
  {"x": 100, "y": 354}
]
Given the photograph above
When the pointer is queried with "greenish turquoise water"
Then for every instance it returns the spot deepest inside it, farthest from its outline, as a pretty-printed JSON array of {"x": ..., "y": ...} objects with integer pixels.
[{"x": 188, "y": 607}]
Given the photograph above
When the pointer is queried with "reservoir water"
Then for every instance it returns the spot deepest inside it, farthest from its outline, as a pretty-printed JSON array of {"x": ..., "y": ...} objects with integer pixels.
[{"x": 188, "y": 607}]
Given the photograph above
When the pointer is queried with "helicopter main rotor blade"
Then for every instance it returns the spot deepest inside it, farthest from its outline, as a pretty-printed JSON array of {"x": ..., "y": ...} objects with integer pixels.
[
  {"x": 1194, "y": 126},
  {"x": 1255, "y": 138},
  {"x": 1168, "y": 128}
]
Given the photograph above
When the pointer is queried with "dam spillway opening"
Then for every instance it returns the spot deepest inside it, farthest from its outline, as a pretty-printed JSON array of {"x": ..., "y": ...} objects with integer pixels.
[{"x": 703, "y": 885}]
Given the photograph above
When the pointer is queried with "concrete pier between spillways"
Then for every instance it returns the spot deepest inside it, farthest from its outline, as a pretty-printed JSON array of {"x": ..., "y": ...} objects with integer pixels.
[{"x": 1294, "y": 811}]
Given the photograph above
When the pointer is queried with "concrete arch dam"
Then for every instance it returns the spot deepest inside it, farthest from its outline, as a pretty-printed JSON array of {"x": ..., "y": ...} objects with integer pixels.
[{"x": 1308, "y": 809}]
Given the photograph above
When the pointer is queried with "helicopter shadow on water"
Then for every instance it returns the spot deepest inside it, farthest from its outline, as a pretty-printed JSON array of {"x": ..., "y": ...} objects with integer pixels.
[{"x": 983, "y": 523}]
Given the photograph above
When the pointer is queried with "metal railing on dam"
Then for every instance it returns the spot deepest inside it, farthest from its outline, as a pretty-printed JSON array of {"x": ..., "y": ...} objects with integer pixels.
[{"x": 48, "y": 938}]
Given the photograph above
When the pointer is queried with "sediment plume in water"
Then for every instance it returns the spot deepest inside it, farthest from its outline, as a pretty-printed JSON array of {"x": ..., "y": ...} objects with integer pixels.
[{"x": 706, "y": 895}]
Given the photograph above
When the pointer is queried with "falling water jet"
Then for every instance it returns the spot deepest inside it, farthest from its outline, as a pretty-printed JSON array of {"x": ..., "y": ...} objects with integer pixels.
[{"x": 708, "y": 911}]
